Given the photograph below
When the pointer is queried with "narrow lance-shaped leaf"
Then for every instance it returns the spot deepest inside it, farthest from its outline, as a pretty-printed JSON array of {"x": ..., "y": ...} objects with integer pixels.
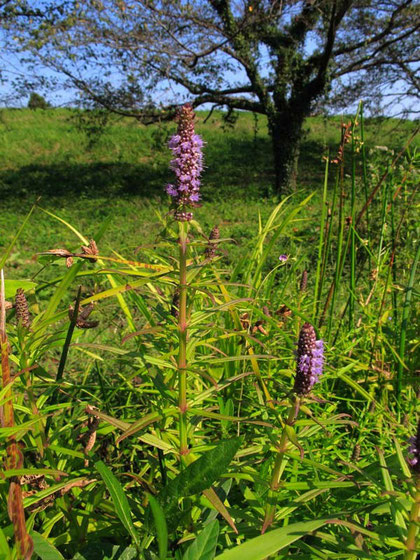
[
  {"x": 161, "y": 527},
  {"x": 197, "y": 477},
  {"x": 265, "y": 545},
  {"x": 204, "y": 546},
  {"x": 119, "y": 499}
]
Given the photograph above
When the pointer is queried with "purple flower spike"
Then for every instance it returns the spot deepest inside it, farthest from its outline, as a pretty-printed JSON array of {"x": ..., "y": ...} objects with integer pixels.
[
  {"x": 309, "y": 360},
  {"x": 187, "y": 165},
  {"x": 283, "y": 258},
  {"x": 414, "y": 452}
]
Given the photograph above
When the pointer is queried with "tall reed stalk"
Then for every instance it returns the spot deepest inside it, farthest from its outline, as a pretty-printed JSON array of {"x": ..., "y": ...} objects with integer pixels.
[
  {"x": 321, "y": 250},
  {"x": 352, "y": 285}
]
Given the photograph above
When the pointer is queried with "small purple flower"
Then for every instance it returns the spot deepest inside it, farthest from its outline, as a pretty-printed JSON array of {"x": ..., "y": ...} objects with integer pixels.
[
  {"x": 187, "y": 164},
  {"x": 414, "y": 452},
  {"x": 309, "y": 360},
  {"x": 283, "y": 258},
  {"x": 171, "y": 190}
]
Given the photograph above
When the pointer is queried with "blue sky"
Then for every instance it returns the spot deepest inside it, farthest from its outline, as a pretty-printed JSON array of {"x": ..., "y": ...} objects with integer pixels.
[{"x": 64, "y": 96}]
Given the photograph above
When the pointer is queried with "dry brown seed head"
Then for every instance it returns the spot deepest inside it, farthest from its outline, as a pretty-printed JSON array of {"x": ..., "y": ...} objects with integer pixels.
[
  {"x": 22, "y": 310},
  {"x": 84, "y": 313},
  {"x": 91, "y": 250},
  {"x": 355, "y": 456},
  {"x": 211, "y": 248}
]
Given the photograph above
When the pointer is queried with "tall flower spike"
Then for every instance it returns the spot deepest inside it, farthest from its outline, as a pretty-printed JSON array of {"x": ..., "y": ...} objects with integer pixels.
[
  {"x": 414, "y": 451},
  {"x": 309, "y": 360},
  {"x": 187, "y": 165}
]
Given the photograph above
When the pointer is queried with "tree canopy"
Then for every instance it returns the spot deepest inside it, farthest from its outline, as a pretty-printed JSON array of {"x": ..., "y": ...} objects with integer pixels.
[{"x": 280, "y": 58}]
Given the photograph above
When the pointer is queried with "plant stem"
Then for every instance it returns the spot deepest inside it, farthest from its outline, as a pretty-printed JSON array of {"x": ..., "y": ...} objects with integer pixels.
[
  {"x": 365, "y": 180},
  {"x": 410, "y": 543},
  {"x": 270, "y": 509},
  {"x": 352, "y": 286},
  {"x": 321, "y": 250},
  {"x": 182, "y": 329}
]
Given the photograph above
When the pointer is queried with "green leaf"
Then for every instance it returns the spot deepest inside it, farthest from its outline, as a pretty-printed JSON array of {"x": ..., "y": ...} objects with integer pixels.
[
  {"x": 161, "y": 528},
  {"x": 44, "y": 549},
  {"x": 119, "y": 498},
  {"x": 106, "y": 551},
  {"x": 11, "y": 287},
  {"x": 4, "y": 547},
  {"x": 204, "y": 546},
  {"x": 270, "y": 543},
  {"x": 197, "y": 477}
]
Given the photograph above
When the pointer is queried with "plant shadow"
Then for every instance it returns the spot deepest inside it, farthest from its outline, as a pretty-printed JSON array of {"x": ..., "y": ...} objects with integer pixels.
[{"x": 232, "y": 166}]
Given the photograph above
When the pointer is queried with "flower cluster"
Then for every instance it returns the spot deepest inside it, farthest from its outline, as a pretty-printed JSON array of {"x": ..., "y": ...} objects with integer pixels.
[
  {"x": 414, "y": 451},
  {"x": 309, "y": 360},
  {"x": 187, "y": 164}
]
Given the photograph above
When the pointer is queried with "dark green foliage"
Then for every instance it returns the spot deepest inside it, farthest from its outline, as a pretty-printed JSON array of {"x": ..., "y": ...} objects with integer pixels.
[{"x": 36, "y": 101}]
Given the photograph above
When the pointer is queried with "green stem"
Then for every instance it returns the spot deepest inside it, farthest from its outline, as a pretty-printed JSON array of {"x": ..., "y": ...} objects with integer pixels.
[
  {"x": 410, "y": 543},
  {"x": 270, "y": 509},
  {"x": 182, "y": 329},
  {"x": 318, "y": 282},
  {"x": 352, "y": 286},
  {"x": 365, "y": 180}
]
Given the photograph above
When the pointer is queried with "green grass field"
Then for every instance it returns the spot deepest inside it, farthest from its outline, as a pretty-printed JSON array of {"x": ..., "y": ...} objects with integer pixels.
[{"x": 45, "y": 155}]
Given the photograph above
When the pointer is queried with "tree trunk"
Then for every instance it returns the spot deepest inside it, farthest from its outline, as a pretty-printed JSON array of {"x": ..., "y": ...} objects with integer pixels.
[{"x": 285, "y": 128}]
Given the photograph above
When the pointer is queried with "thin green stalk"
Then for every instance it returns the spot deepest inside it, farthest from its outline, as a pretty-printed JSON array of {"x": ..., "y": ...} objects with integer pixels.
[
  {"x": 182, "y": 331},
  {"x": 393, "y": 265},
  {"x": 379, "y": 261},
  {"x": 270, "y": 509},
  {"x": 352, "y": 232},
  {"x": 318, "y": 278},
  {"x": 364, "y": 175},
  {"x": 63, "y": 358},
  {"x": 410, "y": 543},
  {"x": 404, "y": 323},
  {"x": 329, "y": 234},
  {"x": 339, "y": 258}
]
